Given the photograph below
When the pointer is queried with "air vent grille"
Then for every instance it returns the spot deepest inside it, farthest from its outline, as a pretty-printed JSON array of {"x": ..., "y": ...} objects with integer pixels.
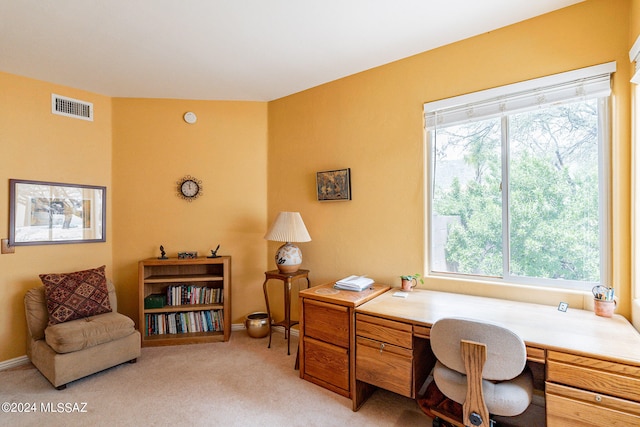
[{"x": 70, "y": 107}]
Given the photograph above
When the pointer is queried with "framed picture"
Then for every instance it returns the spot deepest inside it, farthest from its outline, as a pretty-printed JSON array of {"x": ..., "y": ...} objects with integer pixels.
[
  {"x": 45, "y": 213},
  {"x": 334, "y": 185}
]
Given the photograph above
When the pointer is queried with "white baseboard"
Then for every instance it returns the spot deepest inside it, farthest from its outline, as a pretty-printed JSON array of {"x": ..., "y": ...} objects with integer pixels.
[
  {"x": 12, "y": 363},
  {"x": 242, "y": 327},
  {"x": 23, "y": 360}
]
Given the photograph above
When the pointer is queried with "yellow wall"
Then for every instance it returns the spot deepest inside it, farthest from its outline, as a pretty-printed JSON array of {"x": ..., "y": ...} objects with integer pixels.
[
  {"x": 634, "y": 21},
  {"x": 256, "y": 159},
  {"x": 153, "y": 147},
  {"x": 148, "y": 147},
  {"x": 372, "y": 123},
  {"x": 37, "y": 145}
]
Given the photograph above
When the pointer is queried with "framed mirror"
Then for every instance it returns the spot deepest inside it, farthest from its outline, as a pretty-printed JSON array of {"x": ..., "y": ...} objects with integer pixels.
[{"x": 45, "y": 213}]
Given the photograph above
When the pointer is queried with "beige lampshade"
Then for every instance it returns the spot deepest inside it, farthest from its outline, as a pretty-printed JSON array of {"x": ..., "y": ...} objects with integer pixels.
[{"x": 288, "y": 227}]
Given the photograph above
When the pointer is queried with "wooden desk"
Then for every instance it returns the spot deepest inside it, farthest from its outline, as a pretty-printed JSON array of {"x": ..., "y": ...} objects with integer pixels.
[
  {"x": 592, "y": 375},
  {"x": 327, "y": 333}
]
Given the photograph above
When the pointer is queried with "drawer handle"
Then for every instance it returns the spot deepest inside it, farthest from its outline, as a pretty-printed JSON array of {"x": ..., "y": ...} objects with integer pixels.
[
  {"x": 598, "y": 398},
  {"x": 381, "y": 347}
]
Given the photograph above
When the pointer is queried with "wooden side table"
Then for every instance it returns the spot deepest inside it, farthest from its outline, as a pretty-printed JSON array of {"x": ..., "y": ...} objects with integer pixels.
[{"x": 287, "y": 279}]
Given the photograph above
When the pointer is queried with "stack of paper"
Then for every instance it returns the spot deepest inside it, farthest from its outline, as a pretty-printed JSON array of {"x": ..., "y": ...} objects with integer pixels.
[{"x": 354, "y": 283}]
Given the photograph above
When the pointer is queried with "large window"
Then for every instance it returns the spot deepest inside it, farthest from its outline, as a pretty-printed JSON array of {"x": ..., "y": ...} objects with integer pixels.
[{"x": 518, "y": 187}]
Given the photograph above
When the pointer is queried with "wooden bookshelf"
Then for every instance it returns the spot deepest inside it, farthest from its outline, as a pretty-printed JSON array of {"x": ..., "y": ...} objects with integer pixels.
[{"x": 188, "y": 319}]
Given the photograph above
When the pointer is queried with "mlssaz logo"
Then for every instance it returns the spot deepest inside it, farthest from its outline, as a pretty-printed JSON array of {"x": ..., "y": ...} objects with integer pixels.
[{"x": 63, "y": 407}]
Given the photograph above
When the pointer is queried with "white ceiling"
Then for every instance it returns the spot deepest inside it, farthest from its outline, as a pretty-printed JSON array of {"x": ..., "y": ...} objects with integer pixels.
[{"x": 232, "y": 49}]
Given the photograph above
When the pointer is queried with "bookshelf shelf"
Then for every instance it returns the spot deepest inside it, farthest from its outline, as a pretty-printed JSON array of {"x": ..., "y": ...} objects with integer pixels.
[
  {"x": 205, "y": 282},
  {"x": 184, "y": 338},
  {"x": 182, "y": 278},
  {"x": 184, "y": 307}
]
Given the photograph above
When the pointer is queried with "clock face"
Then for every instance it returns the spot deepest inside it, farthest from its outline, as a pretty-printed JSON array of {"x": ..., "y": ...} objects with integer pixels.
[{"x": 189, "y": 188}]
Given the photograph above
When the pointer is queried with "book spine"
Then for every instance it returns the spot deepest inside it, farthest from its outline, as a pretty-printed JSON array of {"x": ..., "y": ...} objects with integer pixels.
[{"x": 208, "y": 320}]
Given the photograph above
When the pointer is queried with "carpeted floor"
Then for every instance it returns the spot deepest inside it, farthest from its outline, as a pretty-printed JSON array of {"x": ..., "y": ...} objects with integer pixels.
[{"x": 237, "y": 383}]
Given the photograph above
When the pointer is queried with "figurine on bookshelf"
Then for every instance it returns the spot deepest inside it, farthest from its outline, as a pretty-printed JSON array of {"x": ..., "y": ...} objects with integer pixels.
[
  {"x": 163, "y": 254},
  {"x": 214, "y": 254}
]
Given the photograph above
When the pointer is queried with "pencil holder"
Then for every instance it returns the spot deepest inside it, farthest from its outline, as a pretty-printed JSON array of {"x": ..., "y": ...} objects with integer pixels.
[{"x": 604, "y": 308}]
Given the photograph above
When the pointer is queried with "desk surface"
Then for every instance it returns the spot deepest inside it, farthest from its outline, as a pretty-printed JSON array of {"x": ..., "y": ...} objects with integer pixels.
[
  {"x": 327, "y": 293},
  {"x": 578, "y": 331}
]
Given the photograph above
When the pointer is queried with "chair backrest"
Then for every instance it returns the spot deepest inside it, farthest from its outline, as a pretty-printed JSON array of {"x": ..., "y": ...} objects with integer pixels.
[
  {"x": 35, "y": 305},
  {"x": 506, "y": 352}
]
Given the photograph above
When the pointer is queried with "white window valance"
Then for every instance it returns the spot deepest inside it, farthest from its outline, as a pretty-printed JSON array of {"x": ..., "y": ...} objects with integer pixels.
[{"x": 590, "y": 82}]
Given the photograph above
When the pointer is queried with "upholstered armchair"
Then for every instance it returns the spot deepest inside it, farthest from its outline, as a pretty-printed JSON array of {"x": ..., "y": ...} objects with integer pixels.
[{"x": 69, "y": 350}]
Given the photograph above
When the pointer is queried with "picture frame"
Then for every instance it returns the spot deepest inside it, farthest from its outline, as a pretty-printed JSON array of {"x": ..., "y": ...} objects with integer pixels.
[
  {"x": 45, "y": 213},
  {"x": 333, "y": 185}
]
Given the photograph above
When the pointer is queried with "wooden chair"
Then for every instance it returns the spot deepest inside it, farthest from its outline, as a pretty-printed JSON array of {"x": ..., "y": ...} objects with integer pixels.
[{"x": 481, "y": 366}]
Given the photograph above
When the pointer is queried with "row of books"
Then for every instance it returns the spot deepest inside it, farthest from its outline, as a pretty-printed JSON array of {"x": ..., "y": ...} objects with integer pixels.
[
  {"x": 189, "y": 294},
  {"x": 183, "y": 322}
]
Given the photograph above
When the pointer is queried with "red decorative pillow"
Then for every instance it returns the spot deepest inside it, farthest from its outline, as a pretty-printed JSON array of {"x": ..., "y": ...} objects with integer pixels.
[{"x": 76, "y": 295}]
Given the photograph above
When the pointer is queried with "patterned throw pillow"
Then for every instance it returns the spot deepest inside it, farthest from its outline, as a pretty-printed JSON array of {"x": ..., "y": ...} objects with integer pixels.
[{"x": 76, "y": 295}]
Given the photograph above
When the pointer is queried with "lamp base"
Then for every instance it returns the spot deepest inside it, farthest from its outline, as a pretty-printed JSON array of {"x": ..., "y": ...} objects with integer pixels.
[
  {"x": 287, "y": 269},
  {"x": 288, "y": 258}
]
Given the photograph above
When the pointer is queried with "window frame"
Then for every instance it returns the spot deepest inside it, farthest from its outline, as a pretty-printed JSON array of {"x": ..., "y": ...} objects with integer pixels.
[
  {"x": 604, "y": 178},
  {"x": 634, "y": 57}
]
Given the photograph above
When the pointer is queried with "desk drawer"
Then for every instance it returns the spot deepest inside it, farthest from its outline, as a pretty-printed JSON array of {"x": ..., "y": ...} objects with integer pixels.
[
  {"x": 326, "y": 322},
  {"x": 327, "y": 363},
  {"x": 385, "y": 365},
  {"x": 535, "y": 354},
  {"x": 570, "y": 407},
  {"x": 387, "y": 331},
  {"x": 596, "y": 375},
  {"x": 421, "y": 331}
]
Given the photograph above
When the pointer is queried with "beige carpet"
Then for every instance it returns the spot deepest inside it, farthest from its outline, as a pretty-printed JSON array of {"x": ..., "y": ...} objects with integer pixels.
[{"x": 237, "y": 383}]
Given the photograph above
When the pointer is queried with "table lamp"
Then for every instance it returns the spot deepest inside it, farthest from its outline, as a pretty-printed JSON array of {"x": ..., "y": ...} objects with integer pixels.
[{"x": 288, "y": 227}]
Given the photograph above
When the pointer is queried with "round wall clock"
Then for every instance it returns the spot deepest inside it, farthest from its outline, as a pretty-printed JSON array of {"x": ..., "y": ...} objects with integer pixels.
[{"x": 189, "y": 188}]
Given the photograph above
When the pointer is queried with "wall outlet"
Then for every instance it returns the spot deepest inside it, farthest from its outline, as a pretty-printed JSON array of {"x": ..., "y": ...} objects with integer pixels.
[{"x": 5, "y": 248}]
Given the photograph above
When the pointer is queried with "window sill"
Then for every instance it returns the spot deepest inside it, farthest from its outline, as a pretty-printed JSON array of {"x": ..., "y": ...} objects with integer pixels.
[{"x": 512, "y": 291}]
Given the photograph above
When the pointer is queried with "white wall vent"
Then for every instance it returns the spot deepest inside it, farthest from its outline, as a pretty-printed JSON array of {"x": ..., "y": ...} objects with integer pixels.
[{"x": 70, "y": 107}]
